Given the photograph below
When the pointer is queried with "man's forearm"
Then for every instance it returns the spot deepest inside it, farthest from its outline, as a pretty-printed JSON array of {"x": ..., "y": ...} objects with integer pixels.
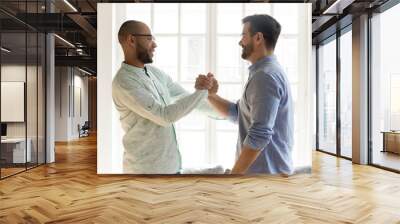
[
  {"x": 246, "y": 158},
  {"x": 220, "y": 104}
]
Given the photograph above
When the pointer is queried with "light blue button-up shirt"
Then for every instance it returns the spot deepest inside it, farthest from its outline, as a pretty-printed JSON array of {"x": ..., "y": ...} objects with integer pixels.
[{"x": 265, "y": 117}]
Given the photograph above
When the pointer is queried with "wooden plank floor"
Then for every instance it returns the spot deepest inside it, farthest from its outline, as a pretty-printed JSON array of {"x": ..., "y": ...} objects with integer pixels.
[{"x": 70, "y": 191}]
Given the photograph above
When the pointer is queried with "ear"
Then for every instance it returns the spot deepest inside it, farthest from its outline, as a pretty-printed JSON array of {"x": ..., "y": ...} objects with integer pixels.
[
  {"x": 131, "y": 40},
  {"x": 260, "y": 37}
]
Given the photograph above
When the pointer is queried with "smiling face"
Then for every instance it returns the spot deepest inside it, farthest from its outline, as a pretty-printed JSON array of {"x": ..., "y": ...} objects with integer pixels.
[{"x": 145, "y": 45}]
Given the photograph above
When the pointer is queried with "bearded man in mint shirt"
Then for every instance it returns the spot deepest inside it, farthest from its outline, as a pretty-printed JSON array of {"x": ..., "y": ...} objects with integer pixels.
[{"x": 149, "y": 102}]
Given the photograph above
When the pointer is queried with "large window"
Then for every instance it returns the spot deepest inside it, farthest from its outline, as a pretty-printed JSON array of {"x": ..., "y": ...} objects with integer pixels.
[
  {"x": 213, "y": 46},
  {"x": 346, "y": 94},
  {"x": 385, "y": 87},
  {"x": 327, "y": 97},
  {"x": 200, "y": 38},
  {"x": 333, "y": 137}
]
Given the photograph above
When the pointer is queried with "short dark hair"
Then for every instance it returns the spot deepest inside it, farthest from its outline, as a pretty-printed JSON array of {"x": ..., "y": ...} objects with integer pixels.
[
  {"x": 267, "y": 25},
  {"x": 128, "y": 27}
]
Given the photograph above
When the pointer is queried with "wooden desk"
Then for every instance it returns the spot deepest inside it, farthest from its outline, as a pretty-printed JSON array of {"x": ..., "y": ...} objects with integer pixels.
[
  {"x": 13, "y": 150},
  {"x": 391, "y": 141}
]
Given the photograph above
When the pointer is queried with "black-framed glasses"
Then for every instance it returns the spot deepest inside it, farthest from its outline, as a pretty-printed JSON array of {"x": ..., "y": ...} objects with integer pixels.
[{"x": 150, "y": 37}]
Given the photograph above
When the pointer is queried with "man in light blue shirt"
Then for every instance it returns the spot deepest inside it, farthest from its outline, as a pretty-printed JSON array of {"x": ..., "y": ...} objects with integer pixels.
[{"x": 265, "y": 111}]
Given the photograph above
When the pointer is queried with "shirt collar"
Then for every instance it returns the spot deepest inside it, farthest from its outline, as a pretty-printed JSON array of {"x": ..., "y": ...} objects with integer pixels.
[
  {"x": 132, "y": 68},
  {"x": 262, "y": 61}
]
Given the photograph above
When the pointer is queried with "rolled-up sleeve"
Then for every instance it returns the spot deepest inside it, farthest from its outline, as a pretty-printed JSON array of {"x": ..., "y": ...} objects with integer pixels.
[
  {"x": 142, "y": 102},
  {"x": 264, "y": 95},
  {"x": 233, "y": 112}
]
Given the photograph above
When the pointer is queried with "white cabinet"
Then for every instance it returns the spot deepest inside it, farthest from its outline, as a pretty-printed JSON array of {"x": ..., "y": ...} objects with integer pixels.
[{"x": 18, "y": 149}]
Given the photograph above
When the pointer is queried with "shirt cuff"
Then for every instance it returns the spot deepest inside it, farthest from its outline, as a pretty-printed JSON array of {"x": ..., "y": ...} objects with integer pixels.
[
  {"x": 255, "y": 143},
  {"x": 203, "y": 94},
  {"x": 233, "y": 112}
]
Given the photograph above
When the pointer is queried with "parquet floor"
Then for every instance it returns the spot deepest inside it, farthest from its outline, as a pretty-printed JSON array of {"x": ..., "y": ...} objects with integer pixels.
[
  {"x": 70, "y": 191},
  {"x": 10, "y": 171}
]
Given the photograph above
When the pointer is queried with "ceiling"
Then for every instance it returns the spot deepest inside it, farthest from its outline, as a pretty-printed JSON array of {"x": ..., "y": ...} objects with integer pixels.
[{"x": 76, "y": 20}]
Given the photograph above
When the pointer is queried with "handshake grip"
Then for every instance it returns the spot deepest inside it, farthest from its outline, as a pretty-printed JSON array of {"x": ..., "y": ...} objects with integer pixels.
[{"x": 207, "y": 82}]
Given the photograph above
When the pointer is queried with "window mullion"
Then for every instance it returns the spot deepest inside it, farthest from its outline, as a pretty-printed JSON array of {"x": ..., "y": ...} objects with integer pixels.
[
  {"x": 179, "y": 75},
  {"x": 211, "y": 66},
  {"x": 152, "y": 16}
]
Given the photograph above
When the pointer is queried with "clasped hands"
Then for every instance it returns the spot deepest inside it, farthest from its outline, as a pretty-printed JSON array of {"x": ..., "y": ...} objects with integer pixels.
[{"x": 207, "y": 82}]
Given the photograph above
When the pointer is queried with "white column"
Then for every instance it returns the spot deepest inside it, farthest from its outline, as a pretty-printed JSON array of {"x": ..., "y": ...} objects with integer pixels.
[
  {"x": 360, "y": 90},
  {"x": 50, "y": 99}
]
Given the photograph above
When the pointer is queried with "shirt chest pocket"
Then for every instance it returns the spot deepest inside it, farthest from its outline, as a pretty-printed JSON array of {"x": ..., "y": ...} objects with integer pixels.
[{"x": 156, "y": 91}]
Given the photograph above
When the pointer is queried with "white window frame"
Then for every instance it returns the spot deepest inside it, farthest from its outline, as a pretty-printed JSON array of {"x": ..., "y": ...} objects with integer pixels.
[{"x": 211, "y": 35}]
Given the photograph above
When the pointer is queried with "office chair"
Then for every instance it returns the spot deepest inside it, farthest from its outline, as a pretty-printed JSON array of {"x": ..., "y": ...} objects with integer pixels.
[{"x": 84, "y": 130}]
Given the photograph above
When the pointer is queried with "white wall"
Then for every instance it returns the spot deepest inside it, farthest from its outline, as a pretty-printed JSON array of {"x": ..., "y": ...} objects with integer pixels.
[
  {"x": 14, "y": 73},
  {"x": 80, "y": 104},
  {"x": 17, "y": 73},
  {"x": 68, "y": 82},
  {"x": 61, "y": 104},
  {"x": 109, "y": 55},
  {"x": 302, "y": 155}
]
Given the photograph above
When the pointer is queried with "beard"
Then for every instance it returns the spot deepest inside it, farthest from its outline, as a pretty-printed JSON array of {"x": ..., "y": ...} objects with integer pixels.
[
  {"x": 143, "y": 55},
  {"x": 247, "y": 50}
]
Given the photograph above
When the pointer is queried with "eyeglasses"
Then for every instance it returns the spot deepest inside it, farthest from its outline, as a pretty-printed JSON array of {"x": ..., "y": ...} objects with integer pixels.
[
  {"x": 149, "y": 36},
  {"x": 250, "y": 34}
]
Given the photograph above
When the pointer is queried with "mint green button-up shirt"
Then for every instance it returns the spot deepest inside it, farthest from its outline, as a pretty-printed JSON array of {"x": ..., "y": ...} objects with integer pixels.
[{"x": 149, "y": 104}]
